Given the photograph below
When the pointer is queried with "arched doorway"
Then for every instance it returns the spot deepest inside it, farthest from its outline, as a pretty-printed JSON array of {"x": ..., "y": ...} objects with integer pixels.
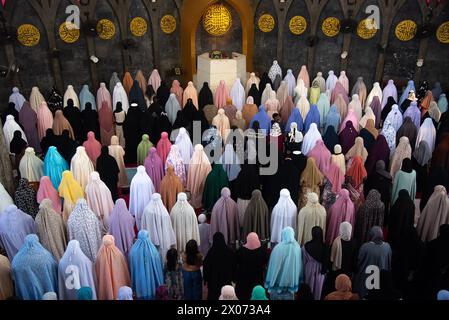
[{"x": 191, "y": 13}]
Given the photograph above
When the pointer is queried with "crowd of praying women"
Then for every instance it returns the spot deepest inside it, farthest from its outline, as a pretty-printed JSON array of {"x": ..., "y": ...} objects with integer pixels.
[{"x": 361, "y": 185}]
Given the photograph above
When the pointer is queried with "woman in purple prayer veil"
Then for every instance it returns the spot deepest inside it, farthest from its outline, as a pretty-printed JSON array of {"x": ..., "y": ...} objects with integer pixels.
[
  {"x": 379, "y": 151},
  {"x": 347, "y": 137},
  {"x": 28, "y": 119},
  {"x": 377, "y": 110},
  {"x": 414, "y": 113},
  {"x": 390, "y": 90},
  {"x": 121, "y": 227},
  {"x": 155, "y": 168}
]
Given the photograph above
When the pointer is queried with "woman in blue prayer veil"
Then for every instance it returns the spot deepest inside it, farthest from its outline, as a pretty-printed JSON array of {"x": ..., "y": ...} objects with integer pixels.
[
  {"x": 284, "y": 273},
  {"x": 294, "y": 117},
  {"x": 35, "y": 270},
  {"x": 263, "y": 119},
  {"x": 333, "y": 118},
  {"x": 146, "y": 267},
  {"x": 54, "y": 166},
  {"x": 87, "y": 96},
  {"x": 313, "y": 116},
  {"x": 405, "y": 93}
]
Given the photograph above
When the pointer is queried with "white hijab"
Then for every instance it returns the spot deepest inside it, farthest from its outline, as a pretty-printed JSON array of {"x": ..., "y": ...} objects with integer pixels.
[
  {"x": 9, "y": 128},
  {"x": 291, "y": 82},
  {"x": 375, "y": 91},
  {"x": 395, "y": 117},
  {"x": 266, "y": 93},
  {"x": 31, "y": 167},
  {"x": 238, "y": 94},
  {"x": 36, "y": 99},
  {"x": 274, "y": 71},
  {"x": 5, "y": 199},
  {"x": 119, "y": 95},
  {"x": 141, "y": 190},
  {"x": 81, "y": 167},
  {"x": 331, "y": 81},
  {"x": 185, "y": 146},
  {"x": 300, "y": 90},
  {"x": 156, "y": 220},
  {"x": 253, "y": 79},
  {"x": 184, "y": 222},
  {"x": 304, "y": 107},
  {"x": 172, "y": 107},
  {"x": 310, "y": 139},
  {"x": 284, "y": 215},
  {"x": 427, "y": 133},
  {"x": 71, "y": 94},
  {"x": 17, "y": 98}
]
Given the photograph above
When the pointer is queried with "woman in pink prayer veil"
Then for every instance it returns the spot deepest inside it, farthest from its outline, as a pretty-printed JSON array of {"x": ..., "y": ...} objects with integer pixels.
[
  {"x": 93, "y": 147},
  {"x": 47, "y": 191},
  {"x": 304, "y": 75},
  {"x": 155, "y": 168},
  {"x": 224, "y": 218},
  {"x": 105, "y": 117},
  {"x": 121, "y": 227},
  {"x": 342, "y": 210},
  {"x": 221, "y": 95},
  {"x": 190, "y": 93},
  {"x": 163, "y": 146},
  {"x": 44, "y": 120},
  {"x": 177, "y": 90},
  {"x": 155, "y": 80},
  {"x": 103, "y": 96},
  {"x": 321, "y": 155},
  {"x": 351, "y": 116}
]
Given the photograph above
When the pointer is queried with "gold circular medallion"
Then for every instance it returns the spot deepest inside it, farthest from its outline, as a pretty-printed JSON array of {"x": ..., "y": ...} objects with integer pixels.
[
  {"x": 217, "y": 20},
  {"x": 266, "y": 23},
  {"x": 168, "y": 24},
  {"x": 105, "y": 29},
  {"x": 443, "y": 32},
  {"x": 367, "y": 28},
  {"x": 406, "y": 30},
  {"x": 28, "y": 35},
  {"x": 331, "y": 26},
  {"x": 138, "y": 26},
  {"x": 69, "y": 32},
  {"x": 297, "y": 25}
]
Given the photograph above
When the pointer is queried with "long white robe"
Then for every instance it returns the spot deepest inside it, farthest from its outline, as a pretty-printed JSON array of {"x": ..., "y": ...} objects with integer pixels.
[
  {"x": 185, "y": 146},
  {"x": 184, "y": 222},
  {"x": 141, "y": 190},
  {"x": 310, "y": 139},
  {"x": 238, "y": 94},
  {"x": 71, "y": 94},
  {"x": 376, "y": 91},
  {"x": 81, "y": 167},
  {"x": 284, "y": 215},
  {"x": 30, "y": 166},
  {"x": 119, "y": 95},
  {"x": 427, "y": 133},
  {"x": 17, "y": 98},
  {"x": 5, "y": 199},
  {"x": 36, "y": 99},
  {"x": 9, "y": 128}
]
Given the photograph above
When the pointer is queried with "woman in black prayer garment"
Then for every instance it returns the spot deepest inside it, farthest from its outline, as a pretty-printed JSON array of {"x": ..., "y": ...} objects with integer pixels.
[
  {"x": 108, "y": 169},
  {"x": 180, "y": 121},
  {"x": 404, "y": 241},
  {"x": 163, "y": 93},
  {"x": 161, "y": 124},
  {"x": 386, "y": 290},
  {"x": 251, "y": 261},
  {"x": 73, "y": 115},
  {"x": 18, "y": 146},
  {"x": 443, "y": 127},
  {"x": 11, "y": 110},
  {"x": 147, "y": 121},
  {"x": 190, "y": 114},
  {"x": 49, "y": 140},
  {"x": 205, "y": 96},
  {"x": 136, "y": 96},
  {"x": 409, "y": 130},
  {"x": 90, "y": 121},
  {"x": 55, "y": 101},
  {"x": 368, "y": 139},
  {"x": 66, "y": 146},
  {"x": 286, "y": 177},
  {"x": 381, "y": 180},
  {"x": 247, "y": 181},
  {"x": 388, "y": 106},
  {"x": 438, "y": 175},
  {"x": 263, "y": 83},
  {"x": 434, "y": 273},
  {"x": 330, "y": 138},
  {"x": 218, "y": 267},
  {"x": 155, "y": 107},
  {"x": 132, "y": 132},
  {"x": 255, "y": 93}
]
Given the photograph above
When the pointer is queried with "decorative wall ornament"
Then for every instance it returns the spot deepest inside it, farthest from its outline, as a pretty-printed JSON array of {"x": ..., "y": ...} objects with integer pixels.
[
  {"x": 138, "y": 26},
  {"x": 266, "y": 23},
  {"x": 28, "y": 35},
  {"x": 168, "y": 24},
  {"x": 331, "y": 26},
  {"x": 443, "y": 32},
  {"x": 105, "y": 29},
  {"x": 297, "y": 25},
  {"x": 68, "y": 32},
  {"x": 367, "y": 29},
  {"x": 406, "y": 30},
  {"x": 217, "y": 20}
]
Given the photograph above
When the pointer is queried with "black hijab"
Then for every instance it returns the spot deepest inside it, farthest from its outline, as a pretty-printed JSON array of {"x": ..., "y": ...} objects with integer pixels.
[
  {"x": 438, "y": 176},
  {"x": 368, "y": 139},
  {"x": 49, "y": 140},
  {"x": 161, "y": 124},
  {"x": 108, "y": 169},
  {"x": 401, "y": 221},
  {"x": 55, "y": 101},
  {"x": 407, "y": 165},
  {"x": 73, "y": 115},
  {"x": 218, "y": 267},
  {"x": 180, "y": 121},
  {"x": 17, "y": 144},
  {"x": 163, "y": 93},
  {"x": 155, "y": 107},
  {"x": 66, "y": 146},
  {"x": 11, "y": 110},
  {"x": 386, "y": 110},
  {"x": 132, "y": 132},
  {"x": 386, "y": 289},
  {"x": 264, "y": 81},
  {"x": 255, "y": 93},
  {"x": 89, "y": 118},
  {"x": 318, "y": 249},
  {"x": 136, "y": 96},
  {"x": 330, "y": 138},
  {"x": 248, "y": 180},
  {"x": 205, "y": 96}
]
